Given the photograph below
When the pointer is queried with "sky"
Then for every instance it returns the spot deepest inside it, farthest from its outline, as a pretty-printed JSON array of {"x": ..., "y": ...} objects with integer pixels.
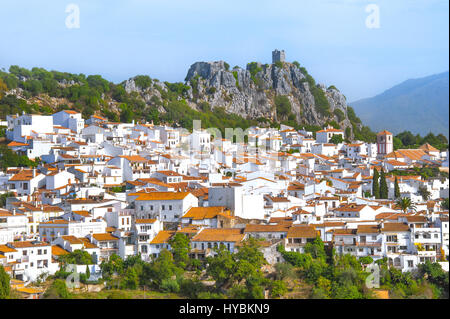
[{"x": 332, "y": 39}]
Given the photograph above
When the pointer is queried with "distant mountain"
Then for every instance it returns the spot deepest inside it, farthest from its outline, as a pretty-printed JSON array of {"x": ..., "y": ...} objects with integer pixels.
[{"x": 418, "y": 105}]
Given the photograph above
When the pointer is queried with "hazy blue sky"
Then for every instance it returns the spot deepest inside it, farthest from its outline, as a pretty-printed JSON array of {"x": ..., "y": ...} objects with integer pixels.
[{"x": 162, "y": 38}]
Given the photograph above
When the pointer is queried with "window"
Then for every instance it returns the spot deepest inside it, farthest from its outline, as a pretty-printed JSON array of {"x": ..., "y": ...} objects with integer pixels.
[
  {"x": 163, "y": 207},
  {"x": 170, "y": 207},
  {"x": 410, "y": 263},
  {"x": 142, "y": 207},
  {"x": 151, "y": 207}
]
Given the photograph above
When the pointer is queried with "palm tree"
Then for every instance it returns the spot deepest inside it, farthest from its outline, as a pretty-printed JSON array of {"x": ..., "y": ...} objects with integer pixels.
[{"x": 405, "y": 203}]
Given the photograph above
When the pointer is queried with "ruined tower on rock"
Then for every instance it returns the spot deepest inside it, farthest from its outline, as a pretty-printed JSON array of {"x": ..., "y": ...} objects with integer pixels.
[{"x": 278, "y": 56}]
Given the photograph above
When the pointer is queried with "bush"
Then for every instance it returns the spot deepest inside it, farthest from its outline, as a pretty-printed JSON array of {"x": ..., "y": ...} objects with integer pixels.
[
  {"x": 191, "y": 288},
  {"x": 279, "y": 288},
  {"x": 340, "y": 115},
  {"x": 320, "y": 100},
  {"x": 283, "y": 105},
  {"x": 279, "y": 64},
  {"x": 169, "y": 285},
  {"x": 366, "y": 260},
  {"x": 57, "y": 290}
]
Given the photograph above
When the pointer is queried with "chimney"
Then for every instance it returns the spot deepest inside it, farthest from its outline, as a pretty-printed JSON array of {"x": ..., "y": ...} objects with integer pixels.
[{"x": 34, "y": 172}]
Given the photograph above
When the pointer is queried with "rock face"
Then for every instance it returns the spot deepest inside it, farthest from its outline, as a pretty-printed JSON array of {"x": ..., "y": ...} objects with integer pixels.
[{"x": 251, "y": 92}]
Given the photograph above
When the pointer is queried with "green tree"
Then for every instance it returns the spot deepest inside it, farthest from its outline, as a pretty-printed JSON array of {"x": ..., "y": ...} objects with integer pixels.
[
  {"x": 3, "y": 88},
  {"x": 250, "y": 251},
  {"x": 4, "y": 284},
  {"x": 396, "y": 188},
  {"x": 283, "y": 106},
  {"x": 445, "y": 204},
  {"x": 336, "y": 139},
  {"x": 163, "y": 268},
  {"x": 57, "y": 290},
  {"x": 131, "y": 280},
  {"x": 375, "y": 184},
  {"x": 221, "y": 266},
  {"x": 405, "y": 203},
  {"x": 114, "y": 266},
  {"x": 87, "y": 272},
  {"x": 383, "y": 185},
  {"x": 424, "y": 192},
  {"x": 316, "y": 249},
  {"x": 77, "y": 257},
  {"x": 180, "y": 247}
]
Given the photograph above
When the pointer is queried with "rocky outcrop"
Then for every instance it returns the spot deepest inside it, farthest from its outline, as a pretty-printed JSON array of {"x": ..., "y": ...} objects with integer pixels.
[{"x": 251, "y": 92}]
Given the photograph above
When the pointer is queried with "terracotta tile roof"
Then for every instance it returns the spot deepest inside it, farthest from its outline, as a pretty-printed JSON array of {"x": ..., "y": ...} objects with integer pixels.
[
  {"x": 255, "y": 228},
  {"x": 23, "y": 175},
  {"x": 7, "y": 249},
  {"x": 87, "y": 244},
  {"x": 83, "y": 213},
  {"x": 368, "y": 229},
  {"x": 160, "y": 196},
  {"x": 416, "y": 219},
  {"x": 27, "y": 244},
  {"x": 59, "y": 251},
  {"x": 429, "y": 148},
  {"x": 199, "y": 213},
  {"x": 72, "y": 240},
  {"x": 395, "y": 227},
  {"x": 344, "y": 232},
  {"x": 219, "y": 235},
  {"x": 302, "y": 232},
  {"x": 104, "y": 237},
  {"x": 330, "y": 130},
  {"x": 134, "y": 158},
  {"x": 14, "y": 143},
  {"x": 163, "y": 237}
]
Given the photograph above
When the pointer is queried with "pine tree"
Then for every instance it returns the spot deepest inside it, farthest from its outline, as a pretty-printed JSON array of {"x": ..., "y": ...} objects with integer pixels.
[
  {"x": 375, "y": 184},
  {"x": 383, "y": 185},
  {"x": 396, "y": 188}
]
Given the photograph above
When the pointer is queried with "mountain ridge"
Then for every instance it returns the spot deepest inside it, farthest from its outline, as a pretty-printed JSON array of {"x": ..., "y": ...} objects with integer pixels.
[{"x": 419, "y": 105}]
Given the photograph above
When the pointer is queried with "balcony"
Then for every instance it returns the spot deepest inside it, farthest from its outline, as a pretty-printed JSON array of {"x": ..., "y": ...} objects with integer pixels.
[{"x": 426, "y": 253}]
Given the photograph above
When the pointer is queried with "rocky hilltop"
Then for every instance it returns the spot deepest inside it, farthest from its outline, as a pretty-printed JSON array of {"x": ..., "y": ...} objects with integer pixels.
[
  {"x": 255, "y": 92},
  {"x": 247, "y": 94}
]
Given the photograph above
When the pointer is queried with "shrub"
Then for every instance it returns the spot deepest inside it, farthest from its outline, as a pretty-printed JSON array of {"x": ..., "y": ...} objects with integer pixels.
[
  {"x": 283, "y": 105},
  {"x": 57, "y": 290},
  {"x": 279, "y": 288},
  {"x": 169, "y": 285},
  {"x": 279, "y": 64}
]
